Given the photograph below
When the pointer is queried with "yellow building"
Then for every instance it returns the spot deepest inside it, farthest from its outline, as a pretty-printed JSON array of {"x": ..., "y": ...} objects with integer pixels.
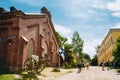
[{"x": 108, "y": 45}]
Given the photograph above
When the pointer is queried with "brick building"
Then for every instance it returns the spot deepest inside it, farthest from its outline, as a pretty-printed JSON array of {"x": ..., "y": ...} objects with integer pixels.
[{"x": 22, "y": 34}]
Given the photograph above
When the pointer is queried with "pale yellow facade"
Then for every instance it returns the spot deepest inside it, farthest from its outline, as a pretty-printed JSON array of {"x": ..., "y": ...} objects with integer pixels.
[{"x": 108, "y": 45}]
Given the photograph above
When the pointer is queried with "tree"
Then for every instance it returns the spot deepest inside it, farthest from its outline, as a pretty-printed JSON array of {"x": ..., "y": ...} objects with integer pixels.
[
  {"x": 77, "y": 44},
  {"x": 61, "y": 39},
  {"x": 116, "y": 54},
  {"x": 87, "y": 57},
  {"x": 94, "y": 61},
  {"x": 97, "y": 48},
  {"x": 69, "y": 56}
]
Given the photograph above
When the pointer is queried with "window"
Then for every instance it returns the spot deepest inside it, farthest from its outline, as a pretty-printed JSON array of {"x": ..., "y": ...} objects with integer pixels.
[
  {"x": 31, "y": 47},
  {"x": 0, "y": 41}
]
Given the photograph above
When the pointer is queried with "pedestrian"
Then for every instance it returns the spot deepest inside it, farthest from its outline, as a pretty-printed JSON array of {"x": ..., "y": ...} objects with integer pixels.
[
  {"x": 103, "y": 65},
  {"x": 108, "y": 65},
  {"x": 79, "y": 66},
  {"x": 87, "y": 64}
]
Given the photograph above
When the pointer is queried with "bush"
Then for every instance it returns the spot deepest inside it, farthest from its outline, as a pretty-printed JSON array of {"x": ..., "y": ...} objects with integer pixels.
[
  {"x": 118, "y": 70},
  {"x": 67, "y": 67},
  {"x": 56, "y": 70}
]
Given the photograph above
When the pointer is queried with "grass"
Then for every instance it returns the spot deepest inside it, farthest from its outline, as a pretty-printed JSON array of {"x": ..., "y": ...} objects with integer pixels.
[
  {"x": 29, "y": 77},
  {"x": 23, "y": 76},
  {"x": 43, "y": 75},
  {"x": 69, "y": 71},
  {"x": 55, "y": 72},
  {"x": 7, "y": 77},
  {"x": 118, "y": 70}
]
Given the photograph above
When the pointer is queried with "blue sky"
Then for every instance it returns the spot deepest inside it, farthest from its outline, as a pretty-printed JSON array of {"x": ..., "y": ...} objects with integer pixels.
[{"x": 91, "y": 18}]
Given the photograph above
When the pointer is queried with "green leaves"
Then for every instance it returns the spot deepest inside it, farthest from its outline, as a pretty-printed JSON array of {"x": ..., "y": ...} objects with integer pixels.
[
  {"x": 116, "y": 54},
  {"x": 77, "y": 44},
  {"x": 61, "y": 39}
]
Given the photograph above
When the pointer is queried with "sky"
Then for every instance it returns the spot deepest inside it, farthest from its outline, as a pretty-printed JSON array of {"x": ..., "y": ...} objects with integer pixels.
[{"x": 91, "y": 18}]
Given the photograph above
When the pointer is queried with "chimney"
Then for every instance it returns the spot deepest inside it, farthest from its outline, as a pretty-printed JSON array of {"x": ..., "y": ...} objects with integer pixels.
[
  {"x": 2, "y": 10},
  {"x": 44, "y": 10},
  {"x": 13, "y": 9}
]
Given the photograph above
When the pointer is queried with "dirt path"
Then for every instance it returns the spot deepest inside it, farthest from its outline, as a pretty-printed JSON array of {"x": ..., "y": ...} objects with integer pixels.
[{"x": 94, "y": 73}]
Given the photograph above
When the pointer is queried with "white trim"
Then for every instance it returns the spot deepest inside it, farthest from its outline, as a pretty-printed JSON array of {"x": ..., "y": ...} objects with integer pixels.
[{"x": 24, "y": 38}]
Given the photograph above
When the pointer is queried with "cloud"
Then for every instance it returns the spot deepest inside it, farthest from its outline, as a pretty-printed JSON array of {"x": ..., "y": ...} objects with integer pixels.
[
  {"x": 116, "y": 26},
  {"x": 31, "y": 2},
  {"x": 64, "y": 31},
  {"x": 89, "y": 46},
  {"x": 79, "y": 15},
  {"x": 98, "y": 4},
  {"x": 75, "y": 9},
  {"x": 116, "y": 14},
  {"x": 114, "y": 6},
  {"x": 92, "y": 12}
]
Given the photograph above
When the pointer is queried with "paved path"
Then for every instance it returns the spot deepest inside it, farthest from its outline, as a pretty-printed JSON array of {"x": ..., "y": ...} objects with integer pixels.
[{"x": 94, "y": 73}]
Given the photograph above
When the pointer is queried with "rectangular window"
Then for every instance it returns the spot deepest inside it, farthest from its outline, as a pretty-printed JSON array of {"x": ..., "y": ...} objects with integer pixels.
[
  {"x": 0, "y": 41},
  {"x": 112, "y": 42}
]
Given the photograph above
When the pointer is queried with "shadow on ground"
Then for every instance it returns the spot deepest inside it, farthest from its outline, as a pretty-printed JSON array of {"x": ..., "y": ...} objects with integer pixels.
[{"x": 27, "y": 77}]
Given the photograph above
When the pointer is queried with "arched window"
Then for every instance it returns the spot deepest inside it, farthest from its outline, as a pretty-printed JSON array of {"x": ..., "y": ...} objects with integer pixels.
[
  {"x": 30, "y": 47},
  {"x": 0, "y": 41},
  {"x": 45, "y": 50}
]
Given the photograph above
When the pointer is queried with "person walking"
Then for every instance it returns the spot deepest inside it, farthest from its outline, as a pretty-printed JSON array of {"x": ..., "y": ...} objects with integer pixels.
[
  {"x": 79, "y": 65},
  {"x": 108, "y": 65},
  {"x": 87, "y": 64},
  {"x": 103, "y": 65}
]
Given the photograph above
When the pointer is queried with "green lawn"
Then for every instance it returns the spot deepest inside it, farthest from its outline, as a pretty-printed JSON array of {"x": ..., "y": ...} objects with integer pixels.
[
  {"x": 7, "y": 77},
  {"x": 12, "y": 77}
]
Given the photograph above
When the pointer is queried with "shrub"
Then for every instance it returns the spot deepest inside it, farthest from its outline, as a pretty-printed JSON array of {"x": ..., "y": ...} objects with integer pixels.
[{"x": 56, "y": 70}]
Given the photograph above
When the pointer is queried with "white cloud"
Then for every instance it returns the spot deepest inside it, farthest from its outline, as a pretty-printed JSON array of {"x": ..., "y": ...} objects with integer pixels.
[
  {"x": 98, "y": 4},
  {"x": 116, "y": 14},
  {"x": 64, "y": 31},
  {"x": 92, "y": 12},
  {"x": 114, "y": 6},
  {"x": 31, "y": 2},
  {"x": 116, "y": 26},
  {"x": 75, "y": 9},
  {"x": 79, "y": 15},
  {"x": 89, "y": 46}
]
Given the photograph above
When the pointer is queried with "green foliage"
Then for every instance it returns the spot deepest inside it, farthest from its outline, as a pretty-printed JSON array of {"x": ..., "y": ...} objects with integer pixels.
[
  {"x": 67, "y": 67},
  {"x": 61, "y": 39},
  {"x": 94, "y": 61},
  {"x": 118, "y": 70},
  {"x": 72, "y": 50},
  {"x": 68, "y": 54},
  {"x": 87, "y": 57},
  {"x": 97, "y": 48},
  {"x": 56, "y": 70},
  {"x": 116, "y": 54},
  {"x": 30, "y": 76},
  {"x": 77, "y": 44},
  {"x": 7, "y": 77}
]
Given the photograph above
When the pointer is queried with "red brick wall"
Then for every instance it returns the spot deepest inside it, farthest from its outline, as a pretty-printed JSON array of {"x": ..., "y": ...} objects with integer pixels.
[{"x": 37, "y": 28}]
